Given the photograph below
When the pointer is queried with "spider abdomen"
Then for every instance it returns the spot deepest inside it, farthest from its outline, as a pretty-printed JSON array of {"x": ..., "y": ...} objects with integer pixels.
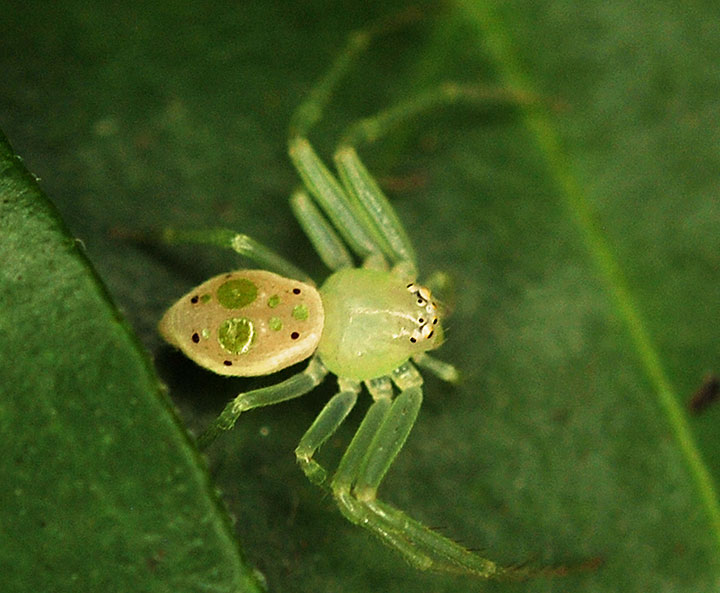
[{"x": 246, "y": 323}]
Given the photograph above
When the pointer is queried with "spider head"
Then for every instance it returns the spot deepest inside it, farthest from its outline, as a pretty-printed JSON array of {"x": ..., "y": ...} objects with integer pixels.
[{"x": 428, "y": 333}]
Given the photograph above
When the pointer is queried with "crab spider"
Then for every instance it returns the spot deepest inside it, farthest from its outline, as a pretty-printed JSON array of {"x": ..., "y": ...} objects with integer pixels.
[{"x": 370, "y": 326}]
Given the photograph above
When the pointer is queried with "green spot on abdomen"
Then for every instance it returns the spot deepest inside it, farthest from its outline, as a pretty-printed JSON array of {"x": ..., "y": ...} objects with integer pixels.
[
  {"x": 205, "y": 298},
  {"x": 275, "y": 324},
  {"x": 236, "y": 293},
  {"x": 300, "y": 312},
  {"x": 273, "y": 301},
  {"x": 236, "y": 335}
]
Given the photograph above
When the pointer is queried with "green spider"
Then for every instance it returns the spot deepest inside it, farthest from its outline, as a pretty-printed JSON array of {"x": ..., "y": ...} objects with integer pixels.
[{"x": 370, "y": 325}]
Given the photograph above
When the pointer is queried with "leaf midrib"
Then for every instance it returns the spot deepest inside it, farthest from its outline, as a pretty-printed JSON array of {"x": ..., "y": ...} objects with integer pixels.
[{"x": 496, "y": 38}]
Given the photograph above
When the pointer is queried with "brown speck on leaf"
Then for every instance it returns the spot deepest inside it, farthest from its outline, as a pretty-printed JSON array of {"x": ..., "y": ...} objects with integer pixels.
[{"x": 706, "y": 394}]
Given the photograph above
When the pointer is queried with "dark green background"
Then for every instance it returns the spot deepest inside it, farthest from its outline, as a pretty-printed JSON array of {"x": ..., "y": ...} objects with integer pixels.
[{"x": 583, "y": 240}]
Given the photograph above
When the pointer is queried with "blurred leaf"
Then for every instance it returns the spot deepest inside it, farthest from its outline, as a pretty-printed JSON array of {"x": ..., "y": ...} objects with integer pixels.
[{"x": 562, "y": 442}]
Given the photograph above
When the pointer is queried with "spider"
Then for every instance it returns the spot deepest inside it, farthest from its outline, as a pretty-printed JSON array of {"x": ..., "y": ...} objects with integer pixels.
[{"x": 370, "y": 326}]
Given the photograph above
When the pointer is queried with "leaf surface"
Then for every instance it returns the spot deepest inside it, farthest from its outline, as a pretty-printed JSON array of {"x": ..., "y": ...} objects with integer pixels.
[{"x": 581, "y": 233}]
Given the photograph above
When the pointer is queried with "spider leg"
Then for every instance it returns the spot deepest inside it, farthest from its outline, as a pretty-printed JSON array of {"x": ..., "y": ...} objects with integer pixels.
[
  {"x": 310, "y": 111},
  {"x": 441, "y": 369},
  {"x": 291, "y": 388},
  {"x": 357, "y": 207},
  {"x": 370, "y": 129},
  {"x": 327, "y": 244},
  {"x": 382, "y": 220},
  {"x": 324, "y": 426},
  {"x": 239, "y": 243},
  {"x": 355, "y": 221},
  {"x": 375, "y": 446},
  {"x": 330, "y": 195}
]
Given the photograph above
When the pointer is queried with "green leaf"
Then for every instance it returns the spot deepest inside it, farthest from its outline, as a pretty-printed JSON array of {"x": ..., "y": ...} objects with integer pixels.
[
  {"x": 582, "y": 234},
  {"x": 101, "y": 489}
]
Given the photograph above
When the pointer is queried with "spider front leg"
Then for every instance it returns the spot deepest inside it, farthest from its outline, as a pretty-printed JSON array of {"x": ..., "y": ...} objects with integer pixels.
[
  {"x": 356, "y": 207},
  {"x": 327, "y": 244},
  {"x": 375, "y": 446}
]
